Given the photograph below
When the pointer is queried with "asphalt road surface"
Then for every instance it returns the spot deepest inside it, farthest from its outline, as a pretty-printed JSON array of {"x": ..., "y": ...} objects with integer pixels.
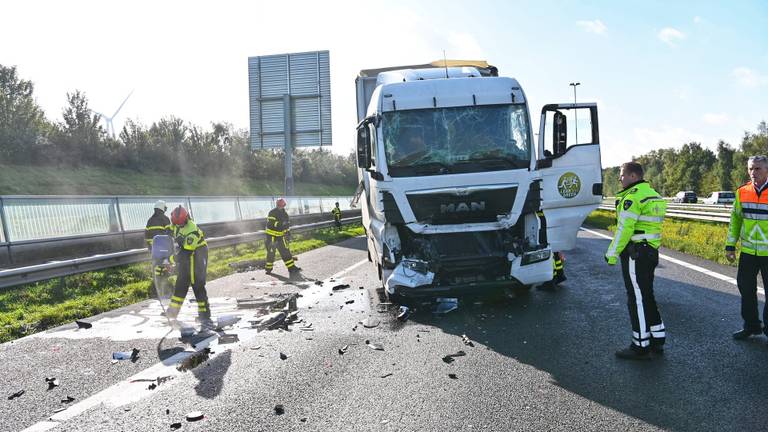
[{"x": 540, "y": 361}]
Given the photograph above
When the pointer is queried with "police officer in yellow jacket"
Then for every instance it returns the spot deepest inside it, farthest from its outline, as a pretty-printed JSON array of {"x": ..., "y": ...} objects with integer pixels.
[
  {"x": 749, "y": 224},
  {"x": 192, "y": 266},
  {"x": 336, "y": 211},
  {"x": 278, "y": 232},
  {"x": 639, "y": 215}
]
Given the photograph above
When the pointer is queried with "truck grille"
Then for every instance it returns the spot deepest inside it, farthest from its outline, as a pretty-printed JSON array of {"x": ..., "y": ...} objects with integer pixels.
[{"x": 450, "y": 208}]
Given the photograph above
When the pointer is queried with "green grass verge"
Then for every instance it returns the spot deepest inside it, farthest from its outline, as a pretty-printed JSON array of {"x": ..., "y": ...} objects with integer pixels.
[
  {"x": 702, "y": 239},
  {"x": 38, "y": 180},
  {"x": 31, "y": 308}
]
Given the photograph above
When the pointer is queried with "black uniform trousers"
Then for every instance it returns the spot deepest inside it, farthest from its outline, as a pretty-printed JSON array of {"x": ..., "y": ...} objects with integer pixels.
[
  {"x": 337, "y": 221},
  {"x": 279, "y": 243},
  {"x": 192, "y": 269},
  {"x": 638, "y": 262},
  {"x": 746, "y": 279}
]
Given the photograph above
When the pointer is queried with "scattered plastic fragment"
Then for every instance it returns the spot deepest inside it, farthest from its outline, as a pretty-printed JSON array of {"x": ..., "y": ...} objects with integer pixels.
[
  {"x": 319, "y": 283},
  {"x": 175, "y": 426},
  {"x": 370, "y": 322},
  {"x": 228, "y": 338},
  {"x": 383, "y": 307},
  {"x": 279, "y": 409},
  {"x": 58, "y": 410},
  {"x": 283, "y": 356},
  {"x": 226, "y": 321},
  {"x": 152, "y": 386},
  {"x": 387, "y": 375},
  {"x": 272, "y": 321},
  {"x": 53, "y": 382},
  {"x": 194, "y": 416},
  {"x": 403, "y": 313},
  {"x": 360, "y": 287},
  {"x": 303, "y": 419},
  {"x": 340, "y": 287},
  {"x": 83, "y": 324},
  {"x": 452, "y": 376},
  {"x": 374, "y": 345},
  {"x": 443, "y": 305},
  {"x": 467, "y": 341},
  {"x": 125, "y": 355},
  {"x": 167, "y": 411},
  {"x": 67, "y": 399},
  {"x": 349, "y": 301},
  {"x": 343, "y": 349},
  {"x": 451, "y": 357},
  {"x": 15, "y": 395},
  {"x": 194, "y": 360}
]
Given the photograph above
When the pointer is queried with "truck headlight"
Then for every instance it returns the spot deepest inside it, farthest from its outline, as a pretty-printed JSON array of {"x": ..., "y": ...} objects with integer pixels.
[
  {"x": 415, "y": 265},
  {"x": 535, "y": 256}
]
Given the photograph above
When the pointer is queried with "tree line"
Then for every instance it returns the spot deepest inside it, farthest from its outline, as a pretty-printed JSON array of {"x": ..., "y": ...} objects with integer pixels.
[
  {"x": 696, "y": 168},
  {"x": 169, "y": 145}
]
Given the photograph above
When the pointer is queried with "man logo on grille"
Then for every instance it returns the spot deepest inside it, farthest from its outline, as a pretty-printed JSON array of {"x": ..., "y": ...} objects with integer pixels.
[
  {"x": 462, "y": 207},
  {"x": 569, "y": 185}
]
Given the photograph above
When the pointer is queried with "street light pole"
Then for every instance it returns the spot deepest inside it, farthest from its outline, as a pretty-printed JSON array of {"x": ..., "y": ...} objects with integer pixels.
[{"x": 575, "y": 112}]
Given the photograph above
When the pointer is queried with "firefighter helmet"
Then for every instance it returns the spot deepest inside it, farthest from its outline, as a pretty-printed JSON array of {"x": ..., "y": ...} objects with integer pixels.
[
  {"x": 161, "y": 205},
  {"x": 179, "y": 216},
  {"x": 281, "y": 203}
]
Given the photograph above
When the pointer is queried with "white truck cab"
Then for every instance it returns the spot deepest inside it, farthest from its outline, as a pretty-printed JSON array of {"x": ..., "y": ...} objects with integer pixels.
[{"x": 457, "y": 196}]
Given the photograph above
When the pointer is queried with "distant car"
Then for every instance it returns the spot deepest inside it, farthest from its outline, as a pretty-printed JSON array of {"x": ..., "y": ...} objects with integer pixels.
[
  {"x": 721, "y": 197},
  {"x": 685, "y": 197}
]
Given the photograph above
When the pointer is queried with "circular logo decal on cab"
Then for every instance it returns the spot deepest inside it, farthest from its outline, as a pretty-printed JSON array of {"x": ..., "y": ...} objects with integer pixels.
[{"x": 569, "y": 185}]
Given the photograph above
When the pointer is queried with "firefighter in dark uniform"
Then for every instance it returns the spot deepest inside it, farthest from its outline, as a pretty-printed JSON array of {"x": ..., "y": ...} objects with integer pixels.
[
  {"x": 337, "y": 216},
  {"x": 191, "y": 264},
  {"x": 639, "y": 215},
  {"x": 158, "y": 224},
  {"x": 278, "y": 233}
]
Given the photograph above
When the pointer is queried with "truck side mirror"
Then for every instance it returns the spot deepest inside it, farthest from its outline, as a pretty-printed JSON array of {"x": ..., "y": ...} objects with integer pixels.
[
  {"x": 363, "y": 147},
  {"x": 559, "y": 133}
]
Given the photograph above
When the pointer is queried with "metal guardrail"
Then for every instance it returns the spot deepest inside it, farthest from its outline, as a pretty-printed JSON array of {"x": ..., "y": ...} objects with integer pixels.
[
  {"x": 680, "y": 212},
  {"x": 51, "y": 270}
]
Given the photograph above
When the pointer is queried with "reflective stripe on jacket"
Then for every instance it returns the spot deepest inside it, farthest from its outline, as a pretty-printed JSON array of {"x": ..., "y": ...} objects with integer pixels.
[
  {"x": 336, "y": 213},
  {"x": 189, "y": 237},
  {"x": 278, "y": 222},
  {"x": 749, "y": 221},
  {"x": 639, "y": 215}
]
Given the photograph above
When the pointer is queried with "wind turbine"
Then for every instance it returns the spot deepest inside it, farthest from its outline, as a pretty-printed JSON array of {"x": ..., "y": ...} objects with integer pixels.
[{"x": 108, "y": 119}]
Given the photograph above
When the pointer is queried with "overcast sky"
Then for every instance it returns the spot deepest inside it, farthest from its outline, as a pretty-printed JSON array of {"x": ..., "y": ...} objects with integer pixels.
[{"x": 663, "y": 73}]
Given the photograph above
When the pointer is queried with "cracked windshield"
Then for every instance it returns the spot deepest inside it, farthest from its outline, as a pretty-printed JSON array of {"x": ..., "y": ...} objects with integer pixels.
[{"x": 463, "y": 139}]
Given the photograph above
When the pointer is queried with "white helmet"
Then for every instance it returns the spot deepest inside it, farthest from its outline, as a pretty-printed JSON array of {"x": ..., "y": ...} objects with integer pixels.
[{"x": 160, "y": 204}]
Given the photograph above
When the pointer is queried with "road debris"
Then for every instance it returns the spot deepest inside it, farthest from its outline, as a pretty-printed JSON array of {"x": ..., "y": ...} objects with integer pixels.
[
  {"x": 319, "y": 283},
  {"x": 467, "y": 341},
  {"x": 228, "y": 339},
  {"x": 58, "y": 410},
  {"x": 83, "y": 324},
  {"x": 271, "y": 303},
  {"x": 270, "y": 322},
  {"x": 195, "y": 416},
  {"x": 279, "y": 409},
  {"x": 370, "y": 322},
  {"x": 443, "y": 305},
  {"x": 67, "y": 399},
  {"x": 384, "y": 307},
  {"x": 452, "y": 376},
  {"x": 175, "y": 426},
  {"x": 125, "y": 355},
  {"x": 187, "y": 331},
  {"x": 451, "y": 357},
  {"x": 15, "y": 395},
  {"x": 194, "y": 360},
  {"x": 53, "y": 382},
  {"x": 283, "y": 356},
  {"x": 349, "y": 301},
  {"x": 340, "y": 287},
  {"x": 343, "y": 349},
  {"x": 374, "y": 345},
  {"x": 387, "y": 375},
  {"x": 403, "y": 313},
  {"x": 226, "y": 321}
]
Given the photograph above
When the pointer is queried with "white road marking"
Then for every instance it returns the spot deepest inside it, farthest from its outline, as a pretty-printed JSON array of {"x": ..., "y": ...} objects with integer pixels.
[
  {"x": 126, "y": 391},
  {"x": 689, "y": 266}
]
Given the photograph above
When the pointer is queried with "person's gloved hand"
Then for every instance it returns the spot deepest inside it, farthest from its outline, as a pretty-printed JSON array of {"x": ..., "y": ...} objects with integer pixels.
[{"x": 611, "y": 260}]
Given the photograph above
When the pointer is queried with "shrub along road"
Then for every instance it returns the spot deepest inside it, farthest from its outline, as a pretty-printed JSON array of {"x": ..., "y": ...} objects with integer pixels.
[{"x": 541, "y": 361}]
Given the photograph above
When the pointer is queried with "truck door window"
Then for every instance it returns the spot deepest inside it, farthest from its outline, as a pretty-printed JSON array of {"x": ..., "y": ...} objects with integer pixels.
[
  {"x": 372, "y": 133},
  {"x": 566, "y": 128}
]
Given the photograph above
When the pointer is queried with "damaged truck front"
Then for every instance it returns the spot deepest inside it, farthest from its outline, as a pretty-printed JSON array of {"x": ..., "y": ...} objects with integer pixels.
[{"x": 455, "y": 196}]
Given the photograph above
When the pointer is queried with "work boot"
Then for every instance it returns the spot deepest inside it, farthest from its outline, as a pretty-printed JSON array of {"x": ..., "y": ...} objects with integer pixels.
[
  {"x": 633, "y": 353},
  {"x": 657, "y": 349},
  {"x": 206, "y": 323},
  {"x": 268, "y": 271},
  {"x": 746, "y": 334}
]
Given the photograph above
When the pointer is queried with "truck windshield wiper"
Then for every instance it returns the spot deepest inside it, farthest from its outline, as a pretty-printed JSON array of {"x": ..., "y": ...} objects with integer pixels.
[
  {"x": 506, "y": 160},
  {"x": 432, "y": 167}
]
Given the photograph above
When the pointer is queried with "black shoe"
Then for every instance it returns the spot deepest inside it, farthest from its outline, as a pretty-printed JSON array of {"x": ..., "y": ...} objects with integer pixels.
[
  {"x": 745, "y": 334},
  {"x": 268, "y": 271},
  {"x": 294, "y": 269},
  {"x": 657, "y": 349},
  {"x": 633, "y": 354}
]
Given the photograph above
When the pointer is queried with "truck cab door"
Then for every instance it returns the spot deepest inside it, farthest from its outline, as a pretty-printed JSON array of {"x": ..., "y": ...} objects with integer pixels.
[{"x": 568, "y": 160}]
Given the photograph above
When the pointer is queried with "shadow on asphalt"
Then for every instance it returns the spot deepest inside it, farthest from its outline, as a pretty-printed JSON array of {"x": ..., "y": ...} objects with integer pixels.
[
  {"x": 211, "y": 375},
  {"x": 704, "y": 381}
]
